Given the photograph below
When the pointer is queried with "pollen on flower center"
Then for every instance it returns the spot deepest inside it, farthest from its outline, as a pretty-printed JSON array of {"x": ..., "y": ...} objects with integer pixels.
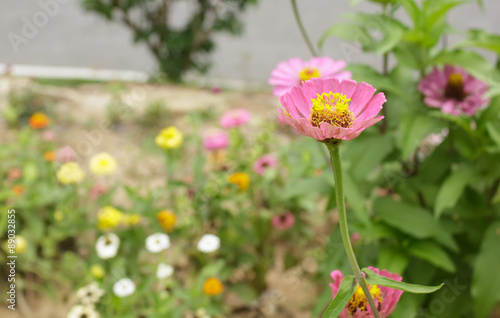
[
  {"x": 455, "y": 87},
  {"x": 358, "y": 301},
  {"x": 309, "y": 72},
  {"x": 332, "y": 108}
]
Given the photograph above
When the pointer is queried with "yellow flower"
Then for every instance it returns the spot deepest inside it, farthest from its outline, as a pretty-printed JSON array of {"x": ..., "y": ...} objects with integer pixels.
[
  {"x": 241, "y": 179},
  {"x": 169, "y": 138},
  {"x": 109, "y": 218},
  {"x": 49, "y": 156},
  {"x": 212, "y": 287},
  {"x": 58, "y": 215},
  {"x": 20, "y": 245},
  {"x": 167, "y": 220},
  {"x": 97, "y": 271},
  {"x": 69, "y": 173},
  {"x": 132, "y": 219},
  {"x": 103, "y": 164}
]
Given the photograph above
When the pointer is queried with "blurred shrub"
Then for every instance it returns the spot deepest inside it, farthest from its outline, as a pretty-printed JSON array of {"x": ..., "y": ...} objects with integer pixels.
[{"x": 177, "y": 49}]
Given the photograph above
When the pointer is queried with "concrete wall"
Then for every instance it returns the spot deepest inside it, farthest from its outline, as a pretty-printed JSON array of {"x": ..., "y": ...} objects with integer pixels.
[{"x": 72, "y": 37}]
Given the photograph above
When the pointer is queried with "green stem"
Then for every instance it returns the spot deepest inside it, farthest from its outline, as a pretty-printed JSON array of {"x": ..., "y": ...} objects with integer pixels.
[
  {"x": 302, "y": 29},
  {"x": 168, "y": 170},
  {"x": 333, "y": 148}
]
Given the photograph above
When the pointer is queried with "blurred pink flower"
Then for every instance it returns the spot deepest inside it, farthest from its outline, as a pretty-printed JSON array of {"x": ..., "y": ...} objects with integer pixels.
[
  {"x": 235, "y": 118},
  {"x": 48, "y": 135},
  {"x": 97, "y": 190},
  {"x": 385, "y": 298},
  {"x": 355, "y": 238},
  {"x": 453, "y": 90},
  {"x": 66, "y": 154},
  {"x": 216, "y": 90},
  {"x": 295, "y": 71},
  {"x": 331, "y": 109},
  {"x": 283, "y": 221},
  {"x": 215, "y": 139},
  {"x": 266, "y": 161},
  {"x": 15, "y": 173}
]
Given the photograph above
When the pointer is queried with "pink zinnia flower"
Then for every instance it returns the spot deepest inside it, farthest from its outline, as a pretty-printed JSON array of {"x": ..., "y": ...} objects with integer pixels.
[
  {"x": 66, "y": 154},
  {"x": 215, "y": 139},
  {"x": 385, "y": 298},
  {"x": 453, "y": 90},
  {"x": 295, "y": 71},
  {"x": 331, "y": 109},
  {"x": 235, "y": 118},
  {"x": 283, "y": 221},
  {"x": 264, "y": 162},
  {"x": 216, "y": 90},
  {"x": 97, "y": 190}
]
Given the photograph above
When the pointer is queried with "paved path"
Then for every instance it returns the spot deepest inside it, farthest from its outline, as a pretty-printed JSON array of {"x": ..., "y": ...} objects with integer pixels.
[{"x": 72, "y": 37}]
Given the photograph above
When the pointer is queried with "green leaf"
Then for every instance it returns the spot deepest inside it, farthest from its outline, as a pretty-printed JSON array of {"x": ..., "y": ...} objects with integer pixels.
[
  {"x": 494, "y": 133},
  {"x": 486, "y": 276},
  {"x": 346, "y": 290},
  {"x": 414, "y": 128},
  {"x": 431, "y": 252},
  {"x": 306, "y": 186},
  {"x": 347, "y": 31},
  {"x": 392, "y": 260},
  {"x": 482, "y": 39},
  {"x": 373, "y": 278},
  {"x": 452, "y": 189},
  {"x": 412, "y": 10},
  {"x": 355, "y": 199},
  {"x": 412, "y": 220},
  {"x": 358, "y": 163},
  {"x": 368, "y": 74},
  {"x": 245, "y": 292}
]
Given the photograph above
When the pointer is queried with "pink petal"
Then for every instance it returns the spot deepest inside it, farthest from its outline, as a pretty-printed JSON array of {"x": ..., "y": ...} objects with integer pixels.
[
  {"x": 373, "y": 107},
  {"x": 287, "y": 102},
  {"x": 310, "y": 130},
  {"x": 360, "y": 98},
  {"x": 348, "y": 87},
  {"x": 300, "y": 101},
  {"x": 330, "y": 131}
]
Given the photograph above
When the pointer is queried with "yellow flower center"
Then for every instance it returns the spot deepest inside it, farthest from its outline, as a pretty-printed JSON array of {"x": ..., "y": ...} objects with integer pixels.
[
  {"x": 358, "y": 301},
  {"x": 309, "y": 72},
  {"x": 332, "y": 108},
  {"x": 455, "y": 87}
]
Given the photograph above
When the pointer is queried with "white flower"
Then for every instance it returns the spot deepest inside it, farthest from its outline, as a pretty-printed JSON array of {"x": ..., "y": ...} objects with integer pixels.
[
  {"x": 164, "y": 271},
  {"x": 209, "y": 243},
  {"x": 90, "y": 294},
  {"x": 124, "y": 287},
  {"x": 157, "y": 242},
  {"x": 80, "y": 311},
  {"x": 107, "y": 245}
]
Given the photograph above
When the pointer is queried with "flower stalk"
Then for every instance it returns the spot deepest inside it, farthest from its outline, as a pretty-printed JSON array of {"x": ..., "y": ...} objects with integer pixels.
[
  {"x": 302, "y": 29},
  {"x": 333, "y": 148}
]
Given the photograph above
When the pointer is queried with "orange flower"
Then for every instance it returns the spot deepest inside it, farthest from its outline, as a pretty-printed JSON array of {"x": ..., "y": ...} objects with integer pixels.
[
  {"x": 49, "y": 156},
  {"x": 39, "y": 120},
  {"x": 18, "y": 189},
  {"x": 213, "y": 287},
  {"x": 167, "y": 220}
]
